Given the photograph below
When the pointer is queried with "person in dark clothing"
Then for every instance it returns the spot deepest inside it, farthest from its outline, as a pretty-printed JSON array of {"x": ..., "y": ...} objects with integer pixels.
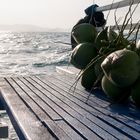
[{"x": 92, "y": 17}]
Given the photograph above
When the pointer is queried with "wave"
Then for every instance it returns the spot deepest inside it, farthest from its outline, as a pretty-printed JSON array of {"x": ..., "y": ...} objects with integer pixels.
[{"x": 32, "y": 53}]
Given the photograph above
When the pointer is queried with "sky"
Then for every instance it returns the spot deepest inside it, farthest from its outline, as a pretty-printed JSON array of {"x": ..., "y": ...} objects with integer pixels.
[{"x": 46, "y": 13}]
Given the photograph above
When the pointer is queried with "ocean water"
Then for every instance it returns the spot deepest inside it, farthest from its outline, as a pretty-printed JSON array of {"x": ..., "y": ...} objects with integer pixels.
[{"x": 32, "y": 53}]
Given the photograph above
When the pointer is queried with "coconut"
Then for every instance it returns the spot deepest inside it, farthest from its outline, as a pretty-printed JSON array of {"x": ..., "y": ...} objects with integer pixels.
[
  {"x": 122, "y": 67},
  {"x": 135, "y": 92},
  {"x": 82, "y": 54},
  {"x": 88, "y": 78},
  {"x": 84, "y": 32},
  {"x": 112, "y": 91},
  {"x": 101, "y": 38}
]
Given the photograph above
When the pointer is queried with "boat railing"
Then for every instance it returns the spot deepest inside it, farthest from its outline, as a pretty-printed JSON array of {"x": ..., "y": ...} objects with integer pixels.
[{"x": 117, "y": 5}]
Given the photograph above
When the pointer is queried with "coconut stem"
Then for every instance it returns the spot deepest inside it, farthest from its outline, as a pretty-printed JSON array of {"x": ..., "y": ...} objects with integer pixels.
[
  {"x": 132, "y": 30},
  {"x": 110, "y": 10},
  {"x": 131, "y": 21},
  {"x": 131, "y": 14},
  {"x": 125, "y": 23},
  {"x": 75, "y": 83},
  {"x": 116, "y": 17}
]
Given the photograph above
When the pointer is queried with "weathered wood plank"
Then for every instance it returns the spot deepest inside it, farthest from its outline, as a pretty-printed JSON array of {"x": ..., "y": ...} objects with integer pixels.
[
  {"x": 133, "y": 134},
  {"x": 27, "y": 95},
  {"x": 23, "y": 89},
  {"x": 69, "y": 131},
  {"x": 91, "y": 117},
  {"x": 58, "y": 99},
  {"x": 69, "y": 116},
  {"x": 113, "y": 107},
  {"x": 105, "y": 112},
  {"x": 21, "y": 115},
  {"x": 81, "y": 94},
  {"x": 65, "y": 80},
  {"x": 56, "y": 104},
  {"x": 101, "y": 102}
]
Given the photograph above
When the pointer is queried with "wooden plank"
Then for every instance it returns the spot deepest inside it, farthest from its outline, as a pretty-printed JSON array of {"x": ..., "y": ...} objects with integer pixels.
[
  {"x": 105, "y": 112},
  {"x": 127, "y": 121},
  {"x": 58, "y": 99},
  {"x": 85, "y": 114},
  {"x": 81, "y": 94},
  {"x": 73, "y": 117},
  {"x": 90, "y": 117},
  {"x": 21, "y": 115},
  {"x": 56, "y": 131},
  {"x": 51, "y": 100},
  {"x": 65, "y": 80},
  {"x": 115, "y": 5},
  {"x": 34, "y": 99},
  {"x": 123, "y": 128},
  {"x": 69, "y": 131},
  {"x": 131, "y": 122},
  {"x": 62, "y": 80}
]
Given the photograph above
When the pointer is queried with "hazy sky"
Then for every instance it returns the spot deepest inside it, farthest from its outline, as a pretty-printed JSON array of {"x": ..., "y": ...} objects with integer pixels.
[{"x": 46, "y": 13}]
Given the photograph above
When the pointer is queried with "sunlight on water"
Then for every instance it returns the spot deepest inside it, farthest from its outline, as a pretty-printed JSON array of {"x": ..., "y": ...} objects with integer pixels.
[{"x": 32, "y": 53}]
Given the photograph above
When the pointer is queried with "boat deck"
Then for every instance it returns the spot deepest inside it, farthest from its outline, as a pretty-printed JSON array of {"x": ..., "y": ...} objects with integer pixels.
[{"x": 44, "y": 108}]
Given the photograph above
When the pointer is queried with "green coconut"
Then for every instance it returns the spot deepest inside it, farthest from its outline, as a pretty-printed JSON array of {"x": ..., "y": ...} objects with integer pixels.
[
  {"x": 88, "y": 78},
  {"x": 135, "y": 92},
  {"x": 101, "y": 38},
  {"x": 84, "y": 32},
  {"x": 113, "y": 92},
  {"x": 82, "y": 54},
  {"x": 112, "y": 35},
  {"x": 122, "y": 67}
]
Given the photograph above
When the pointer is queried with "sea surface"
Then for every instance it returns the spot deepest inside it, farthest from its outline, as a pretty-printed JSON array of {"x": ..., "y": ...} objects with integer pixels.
[{"x": 33, "y": 53}]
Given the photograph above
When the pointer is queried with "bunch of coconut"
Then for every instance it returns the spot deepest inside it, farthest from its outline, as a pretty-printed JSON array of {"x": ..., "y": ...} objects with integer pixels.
[
  {"x": 88, "y": 54},
  {"x": 121, "y": 72},
  {"x": 121, "y": 68},
  {"x": 109, "y": 60}
]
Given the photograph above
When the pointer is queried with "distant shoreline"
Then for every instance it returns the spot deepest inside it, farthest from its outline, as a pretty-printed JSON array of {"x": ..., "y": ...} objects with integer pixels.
[{"x": 30, "y": 28}]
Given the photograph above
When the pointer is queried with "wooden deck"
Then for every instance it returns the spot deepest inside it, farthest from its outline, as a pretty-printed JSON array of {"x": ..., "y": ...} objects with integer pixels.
[{"x": 43, "y": 108}]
